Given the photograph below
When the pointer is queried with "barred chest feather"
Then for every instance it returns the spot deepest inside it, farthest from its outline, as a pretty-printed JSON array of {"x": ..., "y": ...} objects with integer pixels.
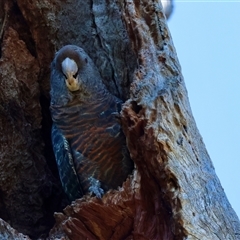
[{"x": 96, "y": 140}]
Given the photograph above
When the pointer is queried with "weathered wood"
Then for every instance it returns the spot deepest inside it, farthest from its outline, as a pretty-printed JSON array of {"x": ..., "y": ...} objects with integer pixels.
[
  {"x": 8, "y": 233},
  {"x": 181, "y": 165},
  {"x": 28, "y": 191}
]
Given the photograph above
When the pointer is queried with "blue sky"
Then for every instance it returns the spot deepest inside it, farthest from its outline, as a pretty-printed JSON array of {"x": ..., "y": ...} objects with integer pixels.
[{"x": 206, "y": 35}]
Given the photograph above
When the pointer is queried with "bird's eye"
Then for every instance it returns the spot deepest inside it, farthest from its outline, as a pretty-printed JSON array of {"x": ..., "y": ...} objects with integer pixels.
[
  {"x": 64, "y": 75},
  {"x": 86, "y": 60},
  {"x": 75, "y": 75}
]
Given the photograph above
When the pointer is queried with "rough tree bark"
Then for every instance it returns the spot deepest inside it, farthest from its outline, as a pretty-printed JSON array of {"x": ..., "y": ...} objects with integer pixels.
[{"x": 173, "y": 192}]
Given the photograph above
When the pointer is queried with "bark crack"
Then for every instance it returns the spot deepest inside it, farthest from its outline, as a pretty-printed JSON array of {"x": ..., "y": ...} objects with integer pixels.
[{"x": 103, "y": 46}]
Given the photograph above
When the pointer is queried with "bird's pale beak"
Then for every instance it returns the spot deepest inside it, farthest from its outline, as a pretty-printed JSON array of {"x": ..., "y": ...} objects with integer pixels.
[{"x": 72, "y": 83}]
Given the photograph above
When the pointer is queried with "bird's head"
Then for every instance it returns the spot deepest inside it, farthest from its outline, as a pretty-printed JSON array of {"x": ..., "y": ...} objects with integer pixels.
[
  {"x": 73, "y": 74},
  {"x": 70, "y": 71}
]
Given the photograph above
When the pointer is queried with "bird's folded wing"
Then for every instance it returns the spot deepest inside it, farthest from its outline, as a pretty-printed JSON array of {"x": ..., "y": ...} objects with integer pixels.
[{"x": 64, "y": 159}]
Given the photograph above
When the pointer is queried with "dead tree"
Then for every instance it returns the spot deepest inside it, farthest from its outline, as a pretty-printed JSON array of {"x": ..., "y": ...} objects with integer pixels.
[{"x": 173, "y": 192}]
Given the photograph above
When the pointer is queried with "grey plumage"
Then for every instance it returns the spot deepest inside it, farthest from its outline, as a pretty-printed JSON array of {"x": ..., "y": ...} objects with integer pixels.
[{"x": 88, "y": 142}]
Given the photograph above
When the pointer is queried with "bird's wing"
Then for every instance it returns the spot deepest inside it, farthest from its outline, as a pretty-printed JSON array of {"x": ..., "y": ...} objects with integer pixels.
[
  {"x": 84, "y": 167},
  {"x": 66, "y": 168}
]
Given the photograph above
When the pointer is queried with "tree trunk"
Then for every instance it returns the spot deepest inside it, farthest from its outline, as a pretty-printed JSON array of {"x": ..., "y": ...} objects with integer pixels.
[{"x": 173, "y": 192}]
